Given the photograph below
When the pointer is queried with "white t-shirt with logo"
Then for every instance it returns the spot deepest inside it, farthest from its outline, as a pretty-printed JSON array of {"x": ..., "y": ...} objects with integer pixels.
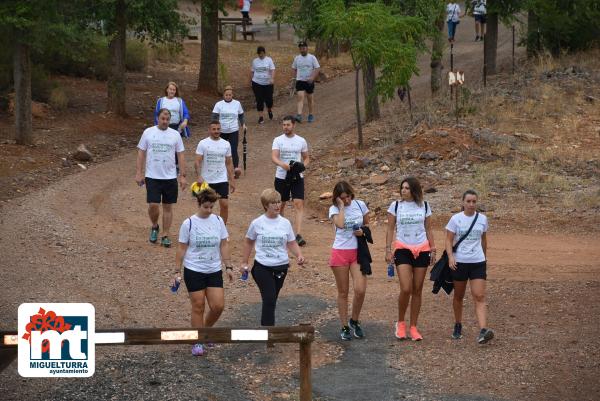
[
  {"x": 272, "y": 237},
  {"x": 160, "y": 147},
  {"x": 289, "y": 149},
  {"x": 452, "y": 12},
  {"x": 410, "y": 221},
  {"x": 353, "y": 215},
  {"x": 262, "y": 70},
  {"x": 470, "y": 250},
  {"x": 214, "y": 168},
  {"x": 204, "y": 242},
  {"x": 173, "y": 106},
  {"x": 228, "y": 115},
  {"x": 304, "y": 66}
]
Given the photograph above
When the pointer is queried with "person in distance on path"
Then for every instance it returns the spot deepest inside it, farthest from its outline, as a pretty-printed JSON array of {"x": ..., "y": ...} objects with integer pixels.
[
  {"x": 203, "y": 246},
  {"x": 263, "y": 77},
  {"x": 155, "y": 167},
  {"x": 215, "y": 166},
  {"x": 348, "y": 216},
  {"x": 409, "y": 244},
  {"x": 230, "y": 114},
  {"x": 468, "y": 263},
  {"x": 272, "y": 237},
  {"x": 452, "y": 19},
  {"x": 307, "y": 70},
  {"x": 290, "y": 155}
]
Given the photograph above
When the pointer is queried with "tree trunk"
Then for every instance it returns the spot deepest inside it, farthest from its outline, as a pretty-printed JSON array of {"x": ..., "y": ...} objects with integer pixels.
[
  {"x": 437, "y": 54},
  {"x": 208, "y": 78},
  {"x": 22, "y": 78},
  {"x": 491, "y": 43},
  {"x": 116, "y": 78},
  {"x": 371, "y": 99},
  {"x": 357, "y": 99},
  {"x": 533, "y": 35},
  {"x": 327, "y": 48}
]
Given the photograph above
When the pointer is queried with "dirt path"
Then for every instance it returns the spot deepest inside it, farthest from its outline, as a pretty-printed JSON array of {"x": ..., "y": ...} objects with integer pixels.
[{"x": 84, "y": 239}]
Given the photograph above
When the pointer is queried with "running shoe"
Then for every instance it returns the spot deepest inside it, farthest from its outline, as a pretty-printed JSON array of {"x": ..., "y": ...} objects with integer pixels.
[
  {"x": 198, "y": 350},
  {"x": 485, "y": 335},
  {"x": 270, "y": 115},
  {"x": 357, "y": 331},
  {"x": 154, "y": 234},
  {"x": 345, "y": 334},
  {"x": 310, "y": 118},
  {"x": 401, "y": 330},
  {"x": 414, "y": 334},
  {"x": 237, "y": 172},
  {"x": 299, "y": 118},
  {"x": 165, "y": 241},
  {"x": 261, "y": 120},
  {"x": 457, "y": 333},
  {"x": 301, "y": 241}
]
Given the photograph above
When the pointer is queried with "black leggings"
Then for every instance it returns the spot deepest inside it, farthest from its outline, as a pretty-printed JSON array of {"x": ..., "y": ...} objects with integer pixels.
[
  {"x": 233, "y": 139},
  {"x": 263, "y": 95},
  {"x": 269, "y": 282}
]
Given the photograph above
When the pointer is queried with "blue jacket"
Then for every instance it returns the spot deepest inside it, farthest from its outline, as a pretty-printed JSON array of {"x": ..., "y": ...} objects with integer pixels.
[{"x": 183, "y": 114}]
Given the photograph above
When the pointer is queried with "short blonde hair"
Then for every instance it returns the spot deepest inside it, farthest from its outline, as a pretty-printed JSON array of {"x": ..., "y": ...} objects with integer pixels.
[
  {"x": 269, "y": 196},
  {"x": 228, "y": 88}
]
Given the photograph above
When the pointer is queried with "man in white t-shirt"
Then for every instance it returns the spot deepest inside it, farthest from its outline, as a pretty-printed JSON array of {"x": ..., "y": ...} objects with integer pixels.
[
  {"x": 214, "y": 164},
  {"x": 306, "y": 67},
  {"x": 156, "y": 155},
  {"x": 290, "y": 155}
]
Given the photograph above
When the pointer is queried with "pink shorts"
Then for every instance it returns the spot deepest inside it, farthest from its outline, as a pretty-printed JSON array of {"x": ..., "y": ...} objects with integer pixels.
[{"x": 342, "y": 257}]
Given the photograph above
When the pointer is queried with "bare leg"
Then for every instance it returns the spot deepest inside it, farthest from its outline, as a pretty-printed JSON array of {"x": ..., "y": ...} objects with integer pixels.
[
  {"x": 300, "y": 101},
  {"x": 342, "y": 280},
  {"x": 215, "y": 297},
  {"x": 460, "y": 288},
  {"x": 197, "y": 300},
  {"x": 167, "y": 218},
  {"x": 359, "y": 282},
  {"x": 415, "y": 301},
  {"x": 224, "y": 209},
  {"x": 154, "y": 213},
  {"x": 478, "y": 293},
  {"x": 310, "y": 101},
  {"x": 299, "y": 210},
  {"x": 405, "y": 279}
]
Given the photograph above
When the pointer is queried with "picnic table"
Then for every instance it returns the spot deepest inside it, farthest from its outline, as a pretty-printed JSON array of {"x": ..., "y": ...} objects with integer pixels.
[{"x": 243, "y": 22}]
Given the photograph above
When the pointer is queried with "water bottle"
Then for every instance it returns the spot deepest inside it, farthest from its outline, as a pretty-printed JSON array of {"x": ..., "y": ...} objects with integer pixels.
[
  {"x": 390, "y": 271},
  {"x": 175, "y": 285},
  {"x": 245, "y": 273}
]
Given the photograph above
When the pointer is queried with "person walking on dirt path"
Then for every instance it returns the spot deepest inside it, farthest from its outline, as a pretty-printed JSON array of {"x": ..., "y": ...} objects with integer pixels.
[
  {"x": 155, "y": 167},
  {"x": 410, "y": 245},
  {"x": 349, "y": 216},
  {"x": 203, "y": 247},
  {"x": 478, "y": 8},
  {"x": 272, "y": 237},
  {"x": 245, "y": 9},
  {"x": 214, "y": 166},
  {"x": 290, "y": 155},
  {"x": 307, "y": 70},
  {"x": 452, "y": 19},
  {"x": 180, "y": 115},
  {"x": 230, "y": 114},
  {"x": 468, "y": 263},
  {"x": 263, "y": 78}
]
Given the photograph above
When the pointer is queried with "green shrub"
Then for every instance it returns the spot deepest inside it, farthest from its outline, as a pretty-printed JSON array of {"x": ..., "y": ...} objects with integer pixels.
[
  {"x": 59, "y": 100},
  {"x": 136, "y": 56},
  {"x": 166, "y": 52},
  {"x": 41, "y": 85}
]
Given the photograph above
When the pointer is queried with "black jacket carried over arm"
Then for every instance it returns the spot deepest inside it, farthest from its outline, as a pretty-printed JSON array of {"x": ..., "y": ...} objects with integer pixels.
[
  {"x": 441, "y": 275},
  {"x": 293, "y": 173},
  {"x": 363, "y": 254}
]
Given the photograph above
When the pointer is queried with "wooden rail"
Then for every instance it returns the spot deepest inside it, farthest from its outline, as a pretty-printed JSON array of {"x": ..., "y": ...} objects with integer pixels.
[
  {"x": 303, "y": 334},
  {"x": 243, "y": 22}
]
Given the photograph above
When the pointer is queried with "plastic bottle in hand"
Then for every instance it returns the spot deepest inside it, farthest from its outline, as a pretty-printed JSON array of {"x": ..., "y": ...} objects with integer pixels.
[
  {"x": 245, "y": 274},
  {"x": 175, "y": 285},
  {"x": 390, "y": 271}
]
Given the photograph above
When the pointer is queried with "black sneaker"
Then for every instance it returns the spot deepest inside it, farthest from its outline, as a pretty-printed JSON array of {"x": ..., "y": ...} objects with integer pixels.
[
  {"x": 270, "y": 115},
  {"x": 485, "y": 335},
  {"x": 356, "y": 329},
  {"x": 457, "y": 333},
  {"x": 345, "y": 334},
  {"x": 300, "y": 240},
  {"x": 261, "y": 120}
]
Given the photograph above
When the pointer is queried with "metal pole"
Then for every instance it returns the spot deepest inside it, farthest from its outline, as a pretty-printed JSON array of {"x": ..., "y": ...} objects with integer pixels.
[
  {"x": 451, "y": 66},
  {"x": 409, "y": 104},
  {"x": 456, "y": 103},
  {"x": 278, "y": 30},
  {"x": 484, "y": 64},
  {"x": 513, "y": 49}
]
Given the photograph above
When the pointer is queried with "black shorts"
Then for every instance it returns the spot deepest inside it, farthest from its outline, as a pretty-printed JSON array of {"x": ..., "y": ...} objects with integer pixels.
[
  {"x": 469, "y": 271},
  {"x": 196, "y": 281},
  {"x": 305, "y": 86},
  {"x": 161, "y": 191},
  {"x": 222, "y": 188},
  {"x": 480, "y": 18},
  {"x": 405, "y": 257},
  {"x": 296, "y": 189}
]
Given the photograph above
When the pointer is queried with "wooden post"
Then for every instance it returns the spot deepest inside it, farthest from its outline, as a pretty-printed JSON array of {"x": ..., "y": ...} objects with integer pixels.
[
  {"x": 456, "y": 103},
  {"x": 451, "y": 67},
  {"x": 484, "y": 64},
  {"x": 278, "y": 30},
  {"x": 513, "y": 50},
  {"x": 305, "y": 369}
]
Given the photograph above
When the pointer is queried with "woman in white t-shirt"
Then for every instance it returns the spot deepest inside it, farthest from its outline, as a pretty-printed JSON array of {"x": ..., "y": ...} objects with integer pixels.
[
  {"x": 272, "y": 236},
  {"x": 452, "y": 19},
  {"x": 263, "y": 77},
  {"x": 468, "y": 263},
  {"x": 203, "y": 247},
  {"x": 230, "y": 114},
  {"x": 348, "y": 216},
  {"x": 410, "y": 245}
]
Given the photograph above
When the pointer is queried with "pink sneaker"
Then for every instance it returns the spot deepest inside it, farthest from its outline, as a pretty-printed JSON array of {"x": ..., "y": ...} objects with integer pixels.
[
  {"x": 400, "y": 330},
  {"x": 414, "y": 334}
]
